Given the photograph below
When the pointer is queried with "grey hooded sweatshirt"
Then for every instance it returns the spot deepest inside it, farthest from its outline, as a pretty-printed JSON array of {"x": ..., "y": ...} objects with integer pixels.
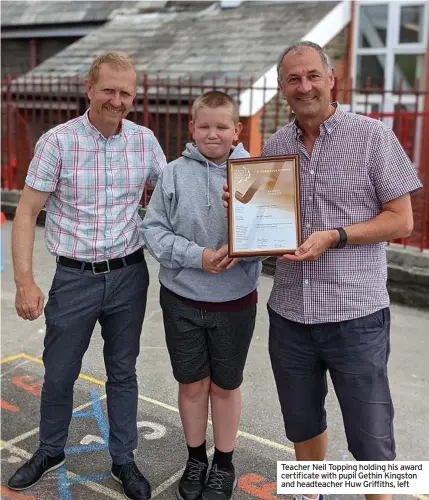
[{"x": 185, "y": 215}]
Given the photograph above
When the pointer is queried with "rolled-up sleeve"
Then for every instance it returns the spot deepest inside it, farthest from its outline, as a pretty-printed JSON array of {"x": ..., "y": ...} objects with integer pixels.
[{"x": 44, "y": 169}]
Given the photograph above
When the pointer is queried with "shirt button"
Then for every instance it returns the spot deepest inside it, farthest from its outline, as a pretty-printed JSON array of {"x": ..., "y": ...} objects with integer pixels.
[
  {"x": 310, "y": 198},
  {"x": 308, "y": 225},
  {"x": 312, "y": 172},
  {"x": 306, "y": 282}
]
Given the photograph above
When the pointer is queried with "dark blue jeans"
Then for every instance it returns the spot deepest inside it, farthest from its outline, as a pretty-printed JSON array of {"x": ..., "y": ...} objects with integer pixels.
[{"x": 77, "y": 300}]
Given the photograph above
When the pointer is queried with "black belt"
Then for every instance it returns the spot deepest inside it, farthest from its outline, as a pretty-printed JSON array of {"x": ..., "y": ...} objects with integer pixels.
[{"x": 103, "y": 266}]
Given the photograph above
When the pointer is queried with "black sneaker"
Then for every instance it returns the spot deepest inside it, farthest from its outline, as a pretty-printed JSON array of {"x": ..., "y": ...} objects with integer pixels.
[
  {"x": 32, "y": 471},
  {"x": 135, "y": 485},
  {"x": 220, "y": 484},
  {"x": 192, "y": 482}
]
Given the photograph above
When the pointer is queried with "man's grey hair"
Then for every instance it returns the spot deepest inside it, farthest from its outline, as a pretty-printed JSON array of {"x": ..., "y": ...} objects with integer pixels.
[{"x": 299, "y": 47}]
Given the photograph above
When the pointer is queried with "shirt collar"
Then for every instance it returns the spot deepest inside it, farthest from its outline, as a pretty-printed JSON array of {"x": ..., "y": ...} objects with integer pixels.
[
  {"x": 328, "y": 125},
  {"x": 94, "y": 131}
]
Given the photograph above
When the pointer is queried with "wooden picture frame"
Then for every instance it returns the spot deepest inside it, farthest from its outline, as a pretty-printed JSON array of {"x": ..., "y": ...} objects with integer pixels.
[{"x": 264, "y": 206}]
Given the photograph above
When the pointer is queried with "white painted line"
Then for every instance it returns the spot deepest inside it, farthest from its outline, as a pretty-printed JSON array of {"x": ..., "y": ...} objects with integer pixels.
[
  {"x": 92, "y": 486},
  {"x": 14, "y": 368},
  {"x": 247, "y": 435},
  {"x": 267, "y": 442},
  {"x": 159, "y": 403},
  {"x": 28, "y": 434},
  {"x": 17, "y": 451},
  {"x": 175, "y": 477},
  {"x": 153, "y": 347}
]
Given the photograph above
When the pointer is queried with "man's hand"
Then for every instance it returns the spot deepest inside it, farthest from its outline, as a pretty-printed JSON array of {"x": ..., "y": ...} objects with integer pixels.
[
  {"x": 314, "y": 246},
  {"x": 221, "y": 259},
  {"x": 29, "y": 301},
  {"x": 225, "y": 195},
  {"x": 209, "y": 265}
]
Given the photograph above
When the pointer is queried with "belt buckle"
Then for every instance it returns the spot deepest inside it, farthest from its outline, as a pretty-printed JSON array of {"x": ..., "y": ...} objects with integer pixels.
[{"x": 93, "y": 264}]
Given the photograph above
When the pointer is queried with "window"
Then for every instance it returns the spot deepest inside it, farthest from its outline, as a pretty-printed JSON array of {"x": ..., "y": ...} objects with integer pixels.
[
  {"x": 411, "y": 27},
  {"x": 408, "y": 71},
  {"x": 372, "y": 26},
  {"x": 390, "y": 44},
  {"x": 370, "y": 70}
]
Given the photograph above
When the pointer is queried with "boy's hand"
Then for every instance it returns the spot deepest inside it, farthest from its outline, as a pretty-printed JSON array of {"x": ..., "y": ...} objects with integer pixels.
[
  {"x": 208, "y": 265},
  {"x": 222, "y": 260},
  {"x": 225, "y": 195}
]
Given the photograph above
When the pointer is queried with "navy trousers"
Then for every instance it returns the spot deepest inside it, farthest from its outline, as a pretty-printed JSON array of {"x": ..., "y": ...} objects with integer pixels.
[{"x": 77, "y": 300}]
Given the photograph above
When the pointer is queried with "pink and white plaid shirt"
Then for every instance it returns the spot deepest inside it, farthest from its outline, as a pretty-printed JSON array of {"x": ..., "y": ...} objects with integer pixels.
[
  {"x": 96, "y": 185},
  {"x": 356, "y": 165}
]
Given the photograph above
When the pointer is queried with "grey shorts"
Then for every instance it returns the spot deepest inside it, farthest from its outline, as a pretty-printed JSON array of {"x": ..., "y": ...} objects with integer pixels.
[
  {"x": 205, "y": 344},
  {"x": 356, "y": 353}
]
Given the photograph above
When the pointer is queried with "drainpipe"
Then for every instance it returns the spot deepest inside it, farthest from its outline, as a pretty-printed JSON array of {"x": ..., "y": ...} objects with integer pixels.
[{"x": 33, "y": 53}]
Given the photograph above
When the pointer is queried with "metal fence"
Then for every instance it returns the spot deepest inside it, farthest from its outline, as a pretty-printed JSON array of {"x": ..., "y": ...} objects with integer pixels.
[{"x": 31, "y": 106}]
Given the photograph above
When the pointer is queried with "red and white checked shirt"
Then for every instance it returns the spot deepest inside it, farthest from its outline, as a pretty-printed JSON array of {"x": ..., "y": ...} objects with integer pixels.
[
  {"x": 96, "y": 184},
  {"x": 356, "y": 165}
]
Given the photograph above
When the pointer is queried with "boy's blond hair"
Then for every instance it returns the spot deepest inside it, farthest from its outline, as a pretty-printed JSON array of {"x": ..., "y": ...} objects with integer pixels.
[
  {"x": 118, "y": 60},
  {"x": 216, "y": 99}
]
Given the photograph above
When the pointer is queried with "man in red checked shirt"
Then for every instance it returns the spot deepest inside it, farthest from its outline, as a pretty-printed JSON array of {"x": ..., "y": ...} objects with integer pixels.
[{"x": 90, "y": 173}]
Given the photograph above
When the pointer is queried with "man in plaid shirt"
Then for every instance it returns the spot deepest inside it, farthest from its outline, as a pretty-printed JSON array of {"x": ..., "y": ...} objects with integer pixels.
[
  {"x": 90, "y": 173},
  {"x": 329, "y": 307}
]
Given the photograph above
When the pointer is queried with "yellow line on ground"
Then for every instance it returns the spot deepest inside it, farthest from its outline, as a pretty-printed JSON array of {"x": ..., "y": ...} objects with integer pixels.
[
  {"x": 91, "y": 379},
  {"x": 32, "y": 358},
  {"x": 81, "y": 375},
  {"x": 12, "y": 358}
]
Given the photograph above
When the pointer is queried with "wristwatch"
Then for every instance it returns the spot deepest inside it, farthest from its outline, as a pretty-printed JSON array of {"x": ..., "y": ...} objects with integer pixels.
[{"x": 343, "y": 237}]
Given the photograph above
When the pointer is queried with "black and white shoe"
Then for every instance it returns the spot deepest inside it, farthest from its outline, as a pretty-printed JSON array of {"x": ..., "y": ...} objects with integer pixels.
[
  {"x": 220, "y": 484},
  {"x": 193, "y": 480}
]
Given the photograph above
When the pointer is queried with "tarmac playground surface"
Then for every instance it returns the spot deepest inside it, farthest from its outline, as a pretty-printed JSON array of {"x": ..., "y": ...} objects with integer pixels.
[{"x": 161, "y": 451}]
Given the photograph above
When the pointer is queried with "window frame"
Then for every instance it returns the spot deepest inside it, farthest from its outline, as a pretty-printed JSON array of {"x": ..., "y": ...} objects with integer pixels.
[{"x": 389, "y": 98}]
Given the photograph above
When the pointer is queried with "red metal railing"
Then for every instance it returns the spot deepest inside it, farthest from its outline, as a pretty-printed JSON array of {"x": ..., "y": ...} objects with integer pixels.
[{"x": 34, "y": 105}]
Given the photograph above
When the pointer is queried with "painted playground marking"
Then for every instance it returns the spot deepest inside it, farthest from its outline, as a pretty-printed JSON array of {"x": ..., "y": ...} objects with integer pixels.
[
  {"x": 152, "y": 431},
  {"x": 247, "y": 435},
  {"x": 252, "y": 484}
]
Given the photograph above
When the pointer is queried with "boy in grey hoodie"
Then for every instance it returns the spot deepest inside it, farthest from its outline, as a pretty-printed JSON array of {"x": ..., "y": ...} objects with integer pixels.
[{"x": 208, "y": 300}]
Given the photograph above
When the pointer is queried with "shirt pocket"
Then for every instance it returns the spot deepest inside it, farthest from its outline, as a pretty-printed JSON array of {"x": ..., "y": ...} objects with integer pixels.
[
  {"x": 78, "y": 184},
  {"x": 129, "y": 173}
]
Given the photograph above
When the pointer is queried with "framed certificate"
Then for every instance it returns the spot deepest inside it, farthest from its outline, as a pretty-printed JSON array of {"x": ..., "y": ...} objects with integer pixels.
[{"x": 264, "y": 206}]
